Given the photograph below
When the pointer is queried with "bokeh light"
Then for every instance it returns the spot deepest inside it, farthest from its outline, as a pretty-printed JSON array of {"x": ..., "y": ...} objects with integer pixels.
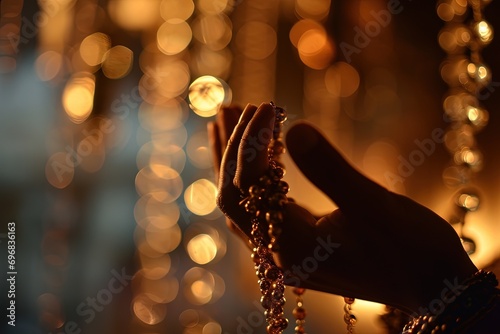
[
  {"x": 148, "y": 311},
  {"x": 313, "y": 9},
  {"x": 256, "y": 40},
  {"x": 342, "y": 79},
  {"x": 174, "y": 36},
  {"x": 78, "y": 97},
  {"x": 214, "y": 31},
  {"x": 207, "y": 94},
  {"x": 48, "y": 65},
  {"x": 200, "y": 197},
  {"x": 202, "y": 248},
  {"x": 160, "y": 181},
  {"x": 117, "y": 62},
  {"x": 212, "y": 7},
  {"x": 176, "y": 9},
  {"x": 93, "y": 48},
  {"x": 134, "y": 14},
  {"x": 155, "y": 268},
  {"x": 198, "y": 150},
  {"x": 315, "y": 49},
  {"x": 163, "y": 240},
  {"x": 202, "y": 286}
]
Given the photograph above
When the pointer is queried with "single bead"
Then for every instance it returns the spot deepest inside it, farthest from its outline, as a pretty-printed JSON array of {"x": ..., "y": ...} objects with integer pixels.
[
  {"x": 350, "y": 319},
  {"x": 273, "y": 273},
  {"x": 264, "y": 285},
  {"x": 299, "y": 313},
  {"x": 300, "y": 330},
  {"x": 277, "y": 173},
  {"x": 283, "y": 187},
  {"x": 349, "y": 300},
  {"x": 298, "y": 291},
  {"x": 266, "y": 301},
  {"x": 278, "y": 147},
  {"x": 277, "y": 311},
  {"x": 277, "y": 295},
  {"x": 280, "y": 114},
  {"x": 281, "y": 323},
  {"x": 277, "y": 200},
  {"x": 262, "y": 269},
  {"x": 255, "y": 258}
]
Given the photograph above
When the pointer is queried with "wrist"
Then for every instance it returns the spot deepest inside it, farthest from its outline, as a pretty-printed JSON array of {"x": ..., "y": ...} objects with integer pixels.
[{"x": 458, "y": 306}]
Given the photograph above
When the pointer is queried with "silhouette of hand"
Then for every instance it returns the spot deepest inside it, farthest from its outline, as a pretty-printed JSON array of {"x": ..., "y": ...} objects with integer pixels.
[{"x": 377, "y": 245}]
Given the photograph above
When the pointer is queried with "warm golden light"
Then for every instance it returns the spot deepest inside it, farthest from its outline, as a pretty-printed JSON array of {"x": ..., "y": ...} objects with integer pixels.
[
  {"x": 176, "y": 9},
  {"x": 48, "y": 65},
  {"x": 163, "y": 240},
  {"x": 484, "y": 31},
  {"x": 134, "y": 14},
  {"x": 167, "y": 116},
  {"x": 207, "y": 94},
  {"x": 215, "y": 63},
  {"x": 148, "y": 311},
  {"x": 302, "y": 27},
  {"x": 200, "y": 197},
  {"x": 212, "y": 328},
  {"x": 155, "y": 268},
  {"x": 198, "y": 151},
  {"x": 477, "y": 116},
  {"x": 163, "y": 183},
  {"x": 256, "y": 40},
  {"x": 93, "y": 48},
  {"x": 342, "y": 79},
  {"x": 199, "y": 285},
  {"x": 445, "y": 12},
  {"x": 212, "y": 7},
  {"x": 149, "y": 211},
  {"x": 78, "y": 97},
  {"x": 163, "y": 290},
  {"x": 174, "y": 36},
  {"x": 313, "y": 9},
  {"x": 117, "y": 62},
  {"x": 469, "y": 202},
  {"x": 202, "y": 249},
  {"x": 315, "y": 49},
  {"x": 213, "y": 31},
  {"x": 169, "y": 155}
]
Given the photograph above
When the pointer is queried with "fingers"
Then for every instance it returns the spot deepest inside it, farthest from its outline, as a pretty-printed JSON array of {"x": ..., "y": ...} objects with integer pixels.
[
  {"x": 327, "y": 169},
  {"x": 229, "y": 195},
  {"x": 220, "y": 131},
  {"x": 252, "y": 154},
  {"x": 215, "y": 146}
]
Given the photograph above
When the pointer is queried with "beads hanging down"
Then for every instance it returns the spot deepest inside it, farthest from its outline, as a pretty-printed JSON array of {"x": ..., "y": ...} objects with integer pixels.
[
  {"x": 463, "y": 38},
  {"x": 265, "y": 201},
  {"x": 349, "y": 317}
]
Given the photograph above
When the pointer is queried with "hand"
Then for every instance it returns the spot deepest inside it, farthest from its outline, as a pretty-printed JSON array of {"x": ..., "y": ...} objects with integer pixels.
[{"x": 377, "y": 246}]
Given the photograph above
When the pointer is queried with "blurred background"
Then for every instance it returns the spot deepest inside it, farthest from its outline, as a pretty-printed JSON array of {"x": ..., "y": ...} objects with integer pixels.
[{"x": 105, "y": 168}]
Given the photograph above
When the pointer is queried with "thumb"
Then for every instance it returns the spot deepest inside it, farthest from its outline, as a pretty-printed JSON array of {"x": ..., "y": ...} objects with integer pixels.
[{"x": 328, "y": 170}]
